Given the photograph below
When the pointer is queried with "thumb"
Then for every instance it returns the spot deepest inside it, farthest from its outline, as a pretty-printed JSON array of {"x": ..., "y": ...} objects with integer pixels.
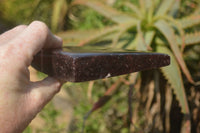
[{"x": 42, "y": 92}]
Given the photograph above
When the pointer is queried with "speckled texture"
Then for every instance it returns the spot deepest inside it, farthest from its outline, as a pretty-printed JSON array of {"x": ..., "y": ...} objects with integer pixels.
[{"x": 76, "y": 65}]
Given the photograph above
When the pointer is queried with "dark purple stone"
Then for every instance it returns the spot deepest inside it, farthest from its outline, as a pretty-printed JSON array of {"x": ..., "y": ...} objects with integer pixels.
[{"x": 77, "y": 65}]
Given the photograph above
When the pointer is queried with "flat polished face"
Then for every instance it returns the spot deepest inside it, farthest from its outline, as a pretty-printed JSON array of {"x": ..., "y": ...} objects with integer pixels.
[
  {"x": 89, "y": 49},
  {"x": 97, "y": 51},
  {"x": 77, "y": 64}
]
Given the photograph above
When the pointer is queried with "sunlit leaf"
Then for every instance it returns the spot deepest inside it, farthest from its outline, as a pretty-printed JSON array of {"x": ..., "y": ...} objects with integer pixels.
[
  {"x": 164, "y": 7},
  {"x": 106, "y": 11},
  {"x": 134, "y": 8},
  {"x": 74, "y": 37},
  {"x": 123, "y": 30},
  {"x": 101, "y": 33},
  {"x": 142, "y": 6},
  {"x": 149, "y": 37},
  {"x": 132, "y": 43},
  {"x": 58, "y": 14},
  {"x": 142, "y": 42},
  {"x": 148, "y": 4},
  {"x": 168, "y": 33},
  {"x": 84, "y": 37},
  {"x": 173, "y": 75},
  {"x": 175, "y": 7},
  {"x": 190, "y": 39},
  {"x": 190, "y": 21},
  {"x": 179, "y": 28},
  {"x": 142, "y": 46}
]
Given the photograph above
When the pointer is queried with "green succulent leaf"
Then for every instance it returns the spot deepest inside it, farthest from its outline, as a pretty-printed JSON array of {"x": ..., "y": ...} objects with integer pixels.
[
  {"x": 106, "y": 11},
  {"x": 190, "y": 39},
  {"x": 173, "y": 11},
  {"x": 134, "y": 8},
  {"x": 168, "y": 33},
  {"x": 85, "y": 37},
  {"x": 165, "y": 6},
  {"x": 142, "y": 6},
  {"x": 177, "y": 25},
  {"x": 141, "y": 46},
  {"x": 173, "y": 75},
  {"x": 133, "y": 44},
  {"x": 144, "y": 40},
  {"x": 140, "y": 37},
  {"x": 149, "y": 35},
  {"x": 74, "y": 37},
  {"x": 189, "y": 21},
  {"x": 58, "y": 14}
]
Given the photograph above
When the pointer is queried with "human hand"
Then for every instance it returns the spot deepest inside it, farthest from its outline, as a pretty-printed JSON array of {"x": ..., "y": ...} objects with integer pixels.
[{"x": 21, "y": 99}]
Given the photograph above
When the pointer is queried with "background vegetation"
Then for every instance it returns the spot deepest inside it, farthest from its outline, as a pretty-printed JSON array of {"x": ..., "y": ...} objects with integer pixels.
[{"x": 165, "y": 100}]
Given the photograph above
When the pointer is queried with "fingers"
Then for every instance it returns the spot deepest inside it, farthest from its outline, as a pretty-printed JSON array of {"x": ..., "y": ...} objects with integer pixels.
[
  {"x": 11, "y": 34},
  {"x": 35, "y": 37},
  {"x": 42, "y": 92}
]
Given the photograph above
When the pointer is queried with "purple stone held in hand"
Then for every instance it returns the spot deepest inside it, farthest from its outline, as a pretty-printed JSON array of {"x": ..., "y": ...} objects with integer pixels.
[{"x": 76, "y": 64}]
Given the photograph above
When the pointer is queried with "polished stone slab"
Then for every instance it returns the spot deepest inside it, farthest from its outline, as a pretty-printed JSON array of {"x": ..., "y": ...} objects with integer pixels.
[{"x": 76, "y": 64}]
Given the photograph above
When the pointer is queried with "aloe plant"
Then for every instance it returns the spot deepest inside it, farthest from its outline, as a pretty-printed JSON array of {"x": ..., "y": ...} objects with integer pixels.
[{"x": 149, "y": 25}]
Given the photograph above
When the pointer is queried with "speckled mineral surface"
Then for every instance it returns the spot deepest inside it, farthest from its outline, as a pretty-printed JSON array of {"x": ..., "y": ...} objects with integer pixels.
[{"x": 75, "y": 64}]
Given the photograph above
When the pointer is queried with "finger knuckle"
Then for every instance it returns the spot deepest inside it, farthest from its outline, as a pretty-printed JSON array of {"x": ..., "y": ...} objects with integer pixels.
[{"x": 40, "y": 28}]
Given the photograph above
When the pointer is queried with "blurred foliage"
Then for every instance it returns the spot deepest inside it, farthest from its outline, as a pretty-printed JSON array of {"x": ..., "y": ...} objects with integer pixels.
[
  {"x": 25, "y": 11},
  {"x": 110, "y": 118},
  {"x": 156, "y": 26},
  {"x": 166, "y": 26},
  {"x": 49, "y": 116}
]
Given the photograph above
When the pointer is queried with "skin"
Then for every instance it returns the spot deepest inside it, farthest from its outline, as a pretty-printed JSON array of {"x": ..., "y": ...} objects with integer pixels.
[{"x": 20, "y": 99}]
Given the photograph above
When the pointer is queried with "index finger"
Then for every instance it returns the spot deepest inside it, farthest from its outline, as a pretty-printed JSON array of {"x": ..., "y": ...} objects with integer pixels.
[
  {"x": 35, "y": 37},
  {"x": 11, "y": 34}
]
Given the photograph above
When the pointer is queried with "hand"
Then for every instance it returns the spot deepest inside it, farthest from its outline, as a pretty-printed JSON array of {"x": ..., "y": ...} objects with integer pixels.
[{"x": 21, "y": 99}]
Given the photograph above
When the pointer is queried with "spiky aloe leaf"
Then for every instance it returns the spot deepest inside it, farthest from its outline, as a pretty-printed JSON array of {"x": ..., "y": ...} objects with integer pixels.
[
  {"x": 141, "y": 46},
  {"x": 190, "y": 21},
  {"x": 164, "y": 7},
  {"x": 141, "y": 41},
  {"x": 190, "y": 39},
  {"x": 177, "y": 25},
  {"x": 144, "y": 41},
  {"x": 168, "y": 33},
  {"x": 106, "y": 11},
  {"x": 74, "y": 37},
  {"x": 84, "y": 37},
  {"x": 149, "y": 35},
  {"x": 173, "y": 11},
  {"x": 173, "y": 75},
  {"x": 133, "y": 43},
  {"x": 133, "y": 7},
  {"x": 101, "y": 33},
  {"x": 123, "y": 30}
]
